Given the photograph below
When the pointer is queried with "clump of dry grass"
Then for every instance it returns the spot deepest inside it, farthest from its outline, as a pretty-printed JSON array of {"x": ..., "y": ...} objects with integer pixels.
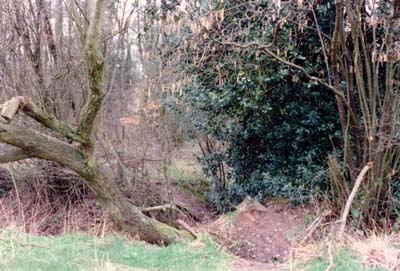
[
  {"x": 46, "y": 199},
  {"x": 26, "y": 214},
  {"x": 306, "y": 253},
  {"x": 378, "y": 250}
]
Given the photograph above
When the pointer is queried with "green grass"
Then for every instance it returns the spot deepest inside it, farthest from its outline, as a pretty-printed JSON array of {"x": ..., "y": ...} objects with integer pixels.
[
  {"x": 192, "y": 182},
  {"x": 344, "y": 261},
  {"x": 182, "y": 175},
  {"x": 79, "y": 252}
]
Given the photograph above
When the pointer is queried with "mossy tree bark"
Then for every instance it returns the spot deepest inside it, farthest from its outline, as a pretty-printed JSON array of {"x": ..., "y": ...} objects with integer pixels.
[{"x": 26, "y": 143}]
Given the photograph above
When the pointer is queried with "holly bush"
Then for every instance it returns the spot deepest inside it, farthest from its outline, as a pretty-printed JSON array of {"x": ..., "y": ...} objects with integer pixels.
[{"x": 277, "y": 126}]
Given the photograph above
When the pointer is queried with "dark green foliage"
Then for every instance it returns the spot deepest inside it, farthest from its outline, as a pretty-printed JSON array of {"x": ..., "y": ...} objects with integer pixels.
[{"x": 278, "y": 127}]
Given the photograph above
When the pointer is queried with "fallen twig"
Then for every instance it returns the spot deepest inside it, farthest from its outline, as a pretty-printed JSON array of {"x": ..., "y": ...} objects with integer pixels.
[{"x": 187, "y": 227}]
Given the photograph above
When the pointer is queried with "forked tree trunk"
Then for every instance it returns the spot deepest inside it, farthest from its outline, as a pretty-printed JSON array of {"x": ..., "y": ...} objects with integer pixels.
[{"x": 26, "y": 143}]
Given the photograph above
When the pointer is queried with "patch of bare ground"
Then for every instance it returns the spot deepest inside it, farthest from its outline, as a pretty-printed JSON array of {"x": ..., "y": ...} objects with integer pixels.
[{"x": 257, "y": 232}]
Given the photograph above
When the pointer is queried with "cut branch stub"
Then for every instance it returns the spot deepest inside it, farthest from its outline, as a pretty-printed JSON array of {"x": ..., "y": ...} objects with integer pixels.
[{"x": 10, "y": 109}]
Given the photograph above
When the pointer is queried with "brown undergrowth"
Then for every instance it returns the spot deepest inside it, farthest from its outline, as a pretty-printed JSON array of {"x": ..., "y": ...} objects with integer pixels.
[{"x": 27, "y": 214}]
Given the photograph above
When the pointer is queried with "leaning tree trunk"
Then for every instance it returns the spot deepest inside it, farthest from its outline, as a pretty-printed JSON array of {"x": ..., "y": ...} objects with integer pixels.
[
  {"x": 79, "y": 157},
  {"x": 128, "y": 217}
]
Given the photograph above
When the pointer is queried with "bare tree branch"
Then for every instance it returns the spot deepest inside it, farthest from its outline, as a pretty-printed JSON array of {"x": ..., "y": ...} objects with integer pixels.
[
  {"x": 42, "y": 146},
  {"x": 81, "y": 11},
  {"x": 123, "y": 29}
]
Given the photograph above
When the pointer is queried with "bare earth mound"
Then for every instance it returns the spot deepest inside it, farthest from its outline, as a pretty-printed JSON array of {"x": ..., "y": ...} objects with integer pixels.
[{"x": 259, "y": 233}]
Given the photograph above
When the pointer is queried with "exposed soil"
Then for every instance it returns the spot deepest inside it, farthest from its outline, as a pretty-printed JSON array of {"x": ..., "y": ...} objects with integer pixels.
[
  {"x": 257, "y": 233},
  {"x": 262, "y": 235}
]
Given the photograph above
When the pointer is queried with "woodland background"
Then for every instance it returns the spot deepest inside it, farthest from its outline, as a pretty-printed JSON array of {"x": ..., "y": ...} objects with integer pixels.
[{"x": 273, "y": 100}]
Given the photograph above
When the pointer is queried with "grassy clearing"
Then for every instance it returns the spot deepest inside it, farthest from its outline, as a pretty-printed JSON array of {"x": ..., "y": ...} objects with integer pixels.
[
  {"x": 189, "y": 180},
  {"x": 20, "y": 252},
  {"x": 183, "y": 175}
]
